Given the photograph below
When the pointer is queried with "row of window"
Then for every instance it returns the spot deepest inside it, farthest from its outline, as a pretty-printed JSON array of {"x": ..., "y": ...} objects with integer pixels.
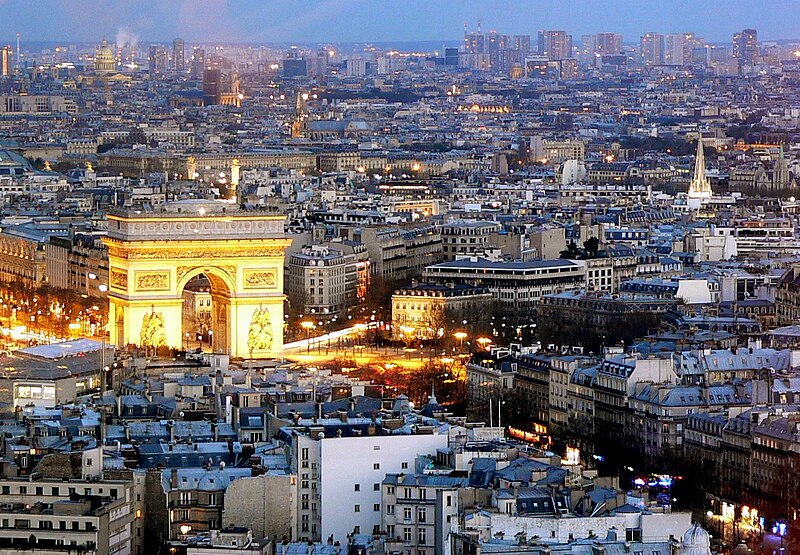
[{"x": 55, "y": 490}]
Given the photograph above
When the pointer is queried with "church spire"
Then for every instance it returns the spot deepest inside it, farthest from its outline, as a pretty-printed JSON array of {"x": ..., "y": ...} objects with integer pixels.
[{"x": 700, "y": 188}]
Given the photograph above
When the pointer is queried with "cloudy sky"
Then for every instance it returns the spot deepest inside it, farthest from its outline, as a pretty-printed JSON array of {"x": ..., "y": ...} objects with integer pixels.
[{"x": 385, "y": 20}]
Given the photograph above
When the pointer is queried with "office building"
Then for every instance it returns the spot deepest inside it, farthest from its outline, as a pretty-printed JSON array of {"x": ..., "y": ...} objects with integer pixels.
[
  {"x": 212, "y": 87},
  {"x": 515, "y": 285},
  {"x": 295, "y": 67},
  {"x": 451, "y": 56}
]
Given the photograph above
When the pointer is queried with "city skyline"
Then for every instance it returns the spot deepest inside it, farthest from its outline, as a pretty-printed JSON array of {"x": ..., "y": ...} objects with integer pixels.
[{"x": 245, "y": 21}]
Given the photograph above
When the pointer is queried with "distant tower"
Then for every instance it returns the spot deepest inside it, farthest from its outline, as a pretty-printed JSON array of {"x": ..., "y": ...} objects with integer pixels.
[
  {"x": 179, "y": 55},
  {"x": 300, "y": 115},
  {"x": 780, "y": 174},
  {"x": 699, "y": 188},
  {"x": 19, "y": 55}
]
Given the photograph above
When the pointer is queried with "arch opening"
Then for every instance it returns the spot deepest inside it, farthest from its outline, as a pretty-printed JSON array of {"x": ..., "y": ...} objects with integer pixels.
[{"x": 205, "y": 322}]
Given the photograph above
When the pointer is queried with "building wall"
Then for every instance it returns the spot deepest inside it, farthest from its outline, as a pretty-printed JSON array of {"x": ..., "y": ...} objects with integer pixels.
[
  {"x": 262, "y": 503},
  {"x": 346, "y": 462}
]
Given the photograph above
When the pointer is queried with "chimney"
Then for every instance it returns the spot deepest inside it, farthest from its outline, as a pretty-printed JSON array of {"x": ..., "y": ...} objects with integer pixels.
[{"x": 343, "y": 415}]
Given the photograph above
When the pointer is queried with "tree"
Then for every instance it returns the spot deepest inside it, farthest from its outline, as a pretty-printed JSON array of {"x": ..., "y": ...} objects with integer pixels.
[
  {"x": 571, "y": 251},
  {"x": 591, "y": 245}
]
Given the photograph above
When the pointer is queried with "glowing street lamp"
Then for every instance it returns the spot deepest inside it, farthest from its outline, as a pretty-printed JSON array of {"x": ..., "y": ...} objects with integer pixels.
[
  {"x": 308, "y": 326},
  {"x": 461, "y": 336},
  {"x": 484, "y": 342},
  {"x": 408, "y": 333}
]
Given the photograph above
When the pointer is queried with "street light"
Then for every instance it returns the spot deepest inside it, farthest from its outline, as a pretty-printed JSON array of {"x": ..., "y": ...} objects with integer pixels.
[
  {"x": 308, "y": 326},
  {"x": 484, "y": 342},
  {"x": 780, "y": 530},
  {"x": 461, "y": 336},
  {"x": 408, "y": 332}
]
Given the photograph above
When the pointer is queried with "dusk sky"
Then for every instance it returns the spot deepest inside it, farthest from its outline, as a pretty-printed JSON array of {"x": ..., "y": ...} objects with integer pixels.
[{"x": 385, "y": 20}]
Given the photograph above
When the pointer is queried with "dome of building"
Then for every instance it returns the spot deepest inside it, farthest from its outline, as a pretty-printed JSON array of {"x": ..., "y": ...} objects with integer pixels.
[
  {"x": 104, "y": 61},
  {"x": 696, "y": 541}
]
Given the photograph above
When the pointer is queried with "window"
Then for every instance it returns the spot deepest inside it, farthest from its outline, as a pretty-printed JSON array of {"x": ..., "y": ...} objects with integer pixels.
[
  {"x": 376, "y": 507},
  {"x": 406, "y": 534},
  {"x": 389, "y": 509},
  {"x": 357, "y": 487},
  {"x": 406, "y": 513},
  {"x": 376, "y": 486},
  {"x": 376, "y": 466},
  {"x": 356, "y": 508},
  {"x": 421, "y": 515},
  {"x": 404, "y": 465},
  {"x": 421, "y": 536}
]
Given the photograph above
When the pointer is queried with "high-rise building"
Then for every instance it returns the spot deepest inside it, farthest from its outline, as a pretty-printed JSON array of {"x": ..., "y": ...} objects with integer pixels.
[
  {"x": 745, "y": 47},
  {"x": 295, "y": 67},
  {"x": 356, "y": 67},
  {"x": 198, "y": 62},
  {"x": 178, "y": 55},
  {"x": 522, "y": 43},
  {"x": 451, "y": 56},
  {"x": 158, "y": 59},
  {"x": 474, "y": 43},
  {"x": 651, "y": 49},
  {"x": 212, "y": 87},
  {"x": 674, "y": 47},
  {"x": 5, "y": 61},
  {"x": 556, "y": 45},
  {"x": 609, "y": 44},
  {"x": 588, "y": 50}
]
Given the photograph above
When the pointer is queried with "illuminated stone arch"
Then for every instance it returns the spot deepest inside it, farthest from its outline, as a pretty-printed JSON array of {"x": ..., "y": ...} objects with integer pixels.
[{"x": 153, "y": 255}]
